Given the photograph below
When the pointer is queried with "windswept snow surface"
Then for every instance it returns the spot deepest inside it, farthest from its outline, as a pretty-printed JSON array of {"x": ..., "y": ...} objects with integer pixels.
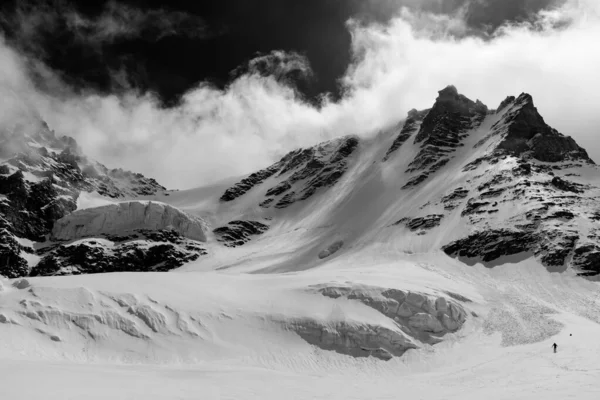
[{"x": 218, "y": 335}]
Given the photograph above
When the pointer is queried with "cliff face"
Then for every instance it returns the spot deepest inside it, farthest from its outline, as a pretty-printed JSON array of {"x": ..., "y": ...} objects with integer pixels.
[
  {"x": 127, "y": 217},
  {"x": 527, "y": 132},
  {"x": 41, "y": 178}
]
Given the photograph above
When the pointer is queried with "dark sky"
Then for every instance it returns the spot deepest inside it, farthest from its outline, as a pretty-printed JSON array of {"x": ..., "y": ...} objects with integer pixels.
[{"x": 170, "y": 47}]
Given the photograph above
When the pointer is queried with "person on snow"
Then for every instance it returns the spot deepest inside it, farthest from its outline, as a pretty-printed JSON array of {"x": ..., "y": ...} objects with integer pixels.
[{"x": 555, "y": 346}]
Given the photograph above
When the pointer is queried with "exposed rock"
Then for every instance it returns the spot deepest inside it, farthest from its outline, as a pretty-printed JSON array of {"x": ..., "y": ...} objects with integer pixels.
[
  {"x": 306, "y": 170},
  {"x": 522, "y": 169},
  {"x": 248, "y": 183},
  {"x": 473, "y": 206},
  {"x": 32, "y": 207},
  {"x": 442, "y": 131},
  {"x": 238, "y": 233},
  {"x": 286, "y": 200},
  {"x": 566, "y": 185},
  {"x": 127, "y": 217},
  {"x": 452, "y": 200},
  {"x": 267, "y": 203},
  {"x": 40, "y": 182},
  {"x": 422, "y": 223},
  {"x": 331, "y": 249},
  {"x": 449, "y": 101},
  {"x": 12, "y": 264},
  {"x": 279, "y": 189},
  {"x": 528, "y": 132},
  {"x": 493, "y": 244},
  {"x": 505, "y": 103},
  {"x": 411, "y": 125},
  {"x": 415, "y": 181},
  {"x": 562, "y": 214},
  {"x": 144, "y": 250},
  {"x": 552, "y": 246},
  {"x": 586, "y": 259},
  {"x": 492, "y": 193}
]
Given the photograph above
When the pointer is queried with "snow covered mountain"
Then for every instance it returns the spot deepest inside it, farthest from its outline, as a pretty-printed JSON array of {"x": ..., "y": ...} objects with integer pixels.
[
  {"x": 455, "y": 224},
  {"x": 42, "y": 179},
  {"x": 481, "y": 185}
]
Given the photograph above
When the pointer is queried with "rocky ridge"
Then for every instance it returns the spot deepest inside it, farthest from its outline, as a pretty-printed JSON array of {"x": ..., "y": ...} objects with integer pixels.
[
  {"x": 140, "y": 250},
  {"x": 522, "y": 199},
  {"x": 299, "y": 174},
  {"x": 237, "y": 233},
  {"x": 442, "y": 130}
]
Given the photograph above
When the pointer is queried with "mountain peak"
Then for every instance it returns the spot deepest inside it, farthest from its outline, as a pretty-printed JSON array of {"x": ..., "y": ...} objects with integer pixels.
[
  {"x": 449, "y": 91},
  {"x": 449, "y": 102},
  {"x": 527, "y": 132}
]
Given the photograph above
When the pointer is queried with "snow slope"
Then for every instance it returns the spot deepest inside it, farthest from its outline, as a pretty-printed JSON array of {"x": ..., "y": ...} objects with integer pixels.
[
  {"x": 360, "y": 268},
  {"x": 223, "y": 335}
]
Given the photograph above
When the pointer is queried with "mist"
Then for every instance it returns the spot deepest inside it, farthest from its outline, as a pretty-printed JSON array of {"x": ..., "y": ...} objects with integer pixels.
[{"x": 216, "y": 133}]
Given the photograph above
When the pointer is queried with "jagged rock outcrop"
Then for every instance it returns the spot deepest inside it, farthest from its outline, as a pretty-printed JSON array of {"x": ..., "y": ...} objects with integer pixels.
[
  {"x": 527, "y": 132},
  {"x": 141, "y": 250},
  {"x": 566, "y": 186},
  {"x": 421, "y": 223},
  {"x": 442, "y": 131},
  {"x": 553, "y": 247},
  {"x": 586, "y": 259},
  {"x": 31, "y": 208},
  {"x": 299, "y": 174},
  {"x": 12, "y": 263},
  {"x": 238, "y": 233},
  {"x": 239, "y": 189},
  {"x": 453, "y": 200},
  {"x": 410, "y": 126},
  {"x": 127, "y": 217},
  {"x": 41, "y": 177}
]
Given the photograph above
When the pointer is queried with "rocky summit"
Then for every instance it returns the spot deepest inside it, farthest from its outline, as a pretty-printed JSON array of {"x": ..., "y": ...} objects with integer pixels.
[{"x": 477, "y": 184}]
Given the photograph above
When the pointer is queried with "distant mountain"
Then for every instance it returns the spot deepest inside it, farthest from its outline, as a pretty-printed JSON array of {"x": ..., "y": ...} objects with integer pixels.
[{"x": 481, "y": 185}]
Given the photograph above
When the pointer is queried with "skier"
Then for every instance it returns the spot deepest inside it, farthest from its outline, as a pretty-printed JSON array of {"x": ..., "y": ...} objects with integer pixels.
[{"x": 555, "y": 346}]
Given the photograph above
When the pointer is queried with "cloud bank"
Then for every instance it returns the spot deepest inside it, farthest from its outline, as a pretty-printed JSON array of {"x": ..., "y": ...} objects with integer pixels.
[
  {"x": 31, "y": 22},
  {"x": 216, "y": 133}
]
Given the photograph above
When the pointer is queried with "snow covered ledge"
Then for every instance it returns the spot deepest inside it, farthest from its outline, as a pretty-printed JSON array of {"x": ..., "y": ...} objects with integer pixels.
[{"x": 125, "y": 217}]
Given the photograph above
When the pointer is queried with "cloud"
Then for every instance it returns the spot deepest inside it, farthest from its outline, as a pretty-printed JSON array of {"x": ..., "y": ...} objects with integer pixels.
[
  {"x": 30, "y": 23},
  {"x": 283, "y": 66},
  {"x": 401, "y": 65},
  {"x": 121, "y": 21}
]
